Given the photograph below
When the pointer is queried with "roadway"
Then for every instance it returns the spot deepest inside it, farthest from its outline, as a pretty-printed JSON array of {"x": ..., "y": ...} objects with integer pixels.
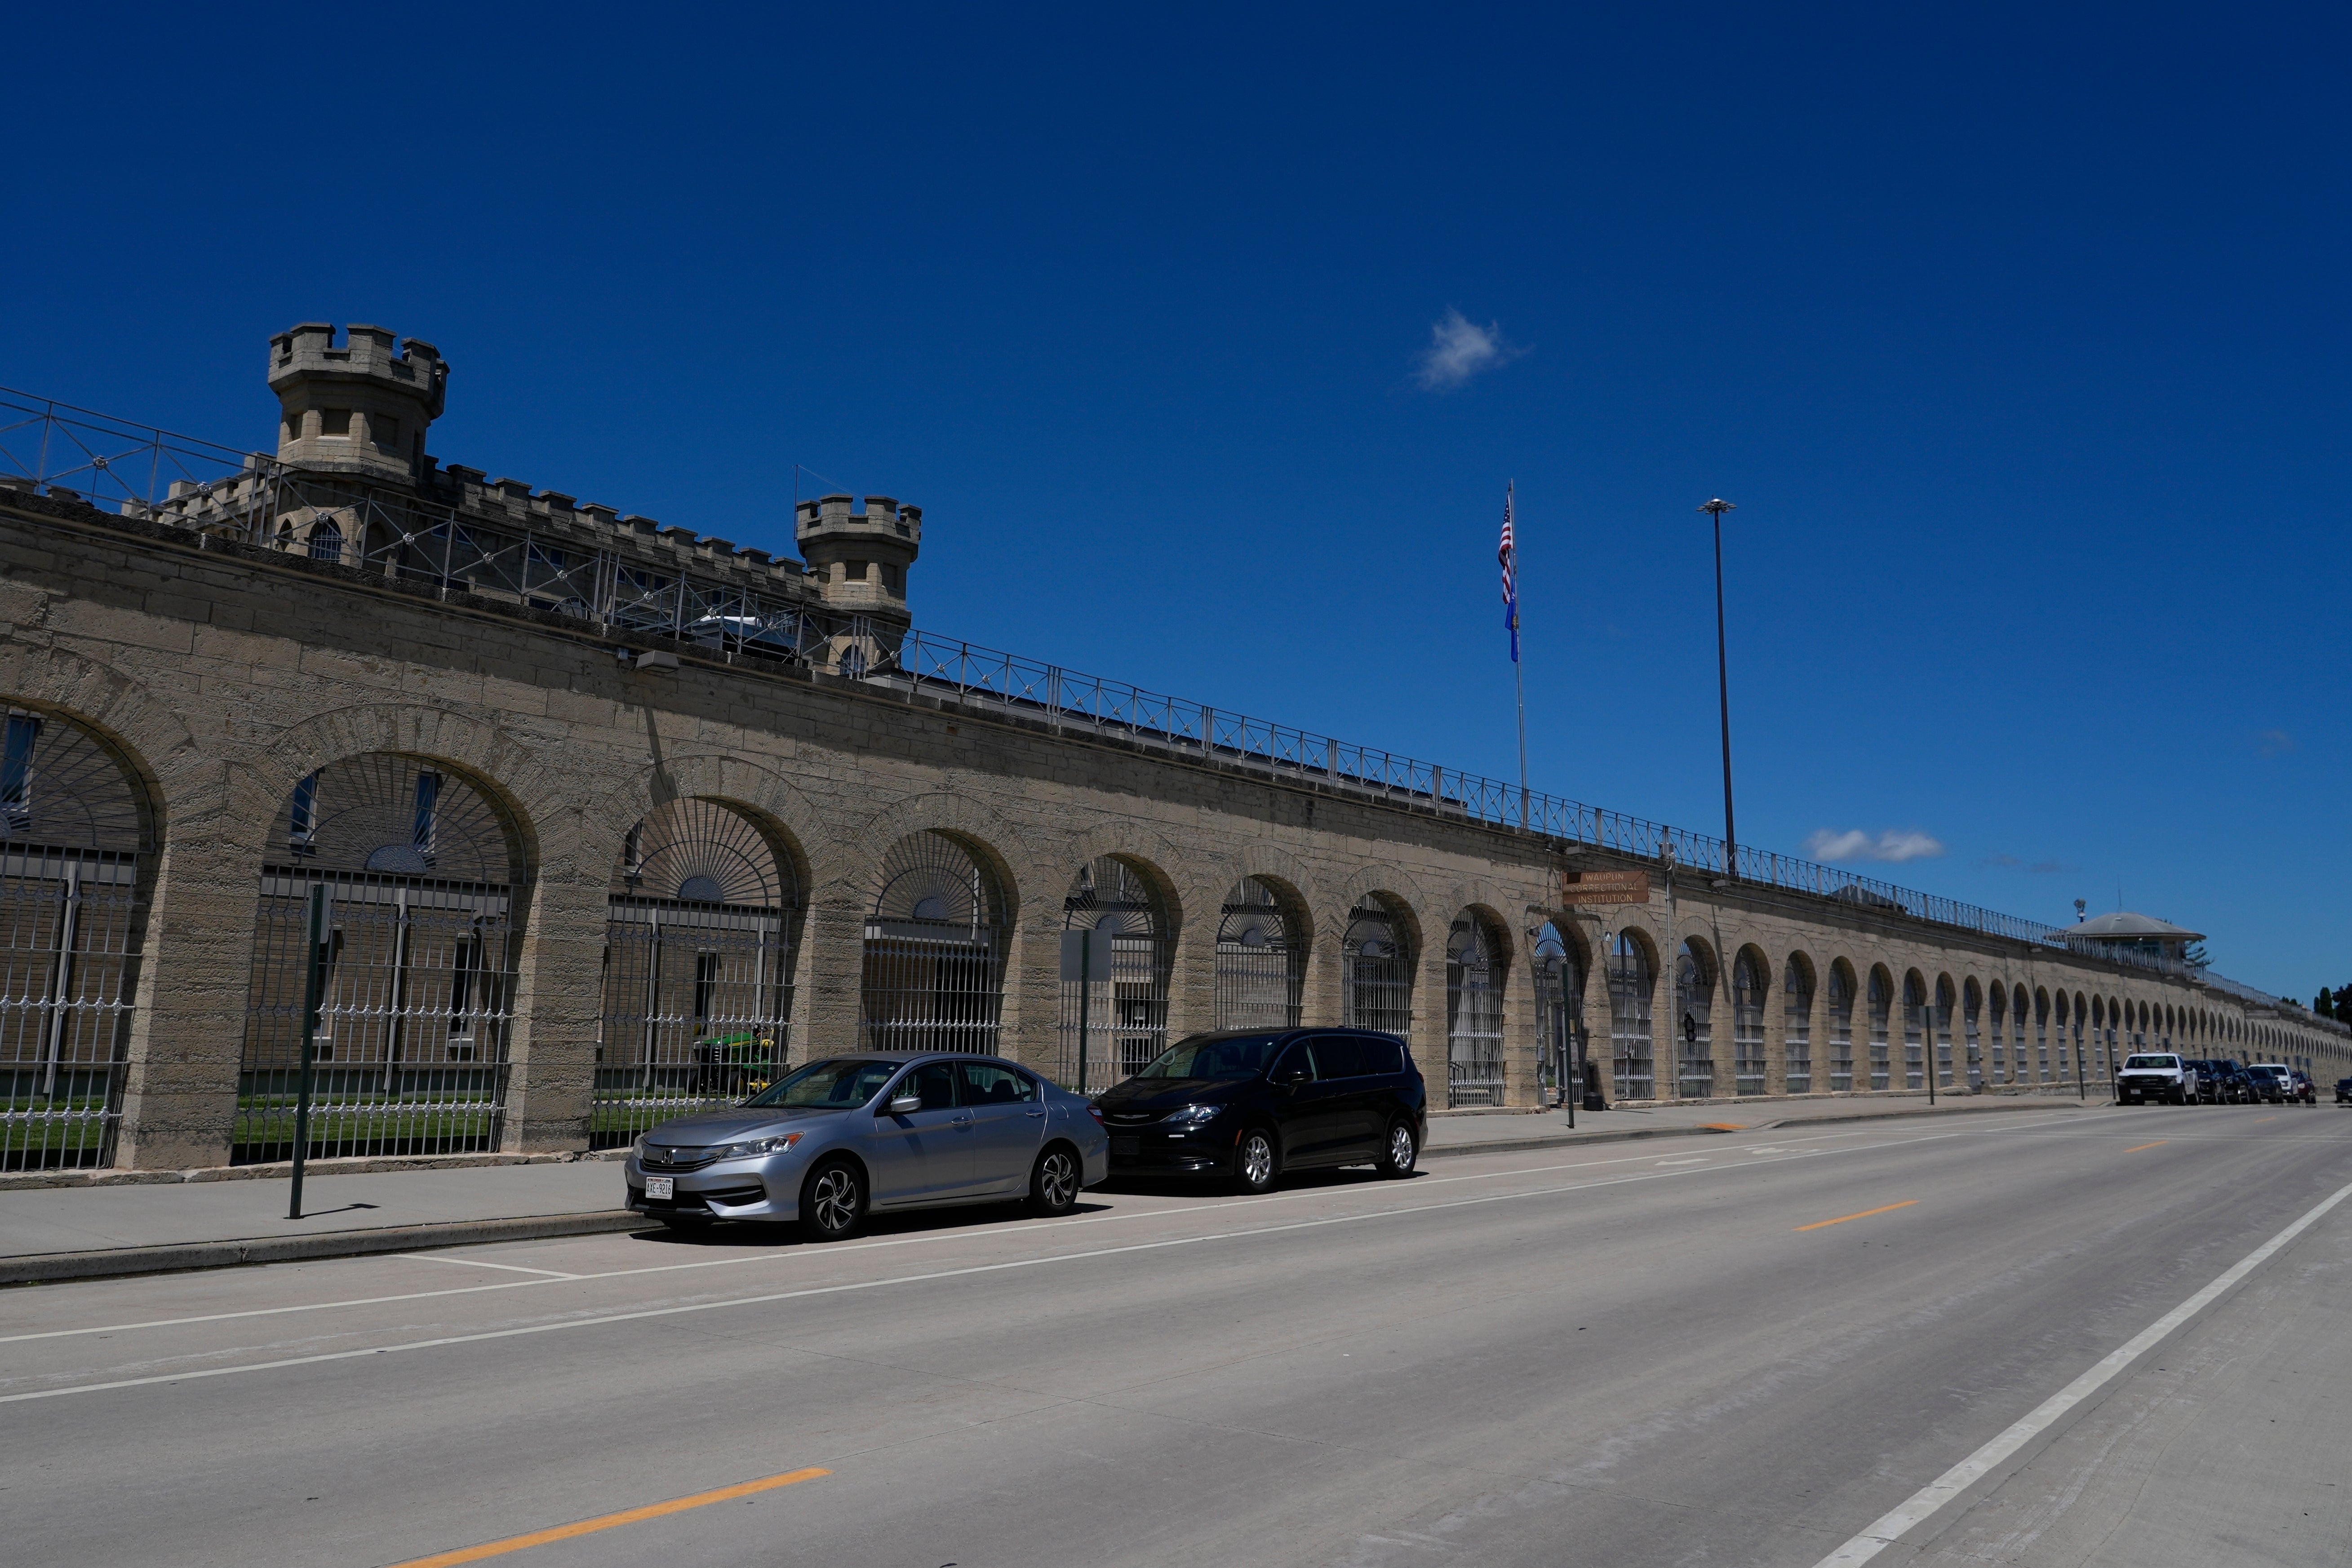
[{"x": 1626, "y": 1355}]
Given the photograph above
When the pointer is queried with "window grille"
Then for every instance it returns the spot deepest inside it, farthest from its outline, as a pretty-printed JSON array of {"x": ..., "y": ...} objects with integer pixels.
[
  {"x": 1841, "y": 1016},
  {"x": 1882, "y": 998},
  {"x": 1474, "y": 1016},
  {"x": 1261, "y": 960},
  {"x": 2066, "y": 1066},
  {"x": 2041, "y": 1035},
  {"x": 1915, "y": 1032},
  {"x": 1630, "y": 1038},
  {"x": 1694, "y": 1024},
  {"x": 421, "y": 871},
  {"x": 1746, "y": 1026},
  {"x": 74, "y": 846},
  {"x": 1997, "y": 1015},
  {"x": 1972, "y": 1009},
  {"x": 327, "y": 541},
  {"x": 2020, "y": 1007},
  {"x": 1560, "y": 1012},
  {"x": 1940, "y": 1022},
  {"x": 701, "y": 921},
  {"x": 934, "y": 951},
  {"x": 1797, "y": 1027},
  {"x": 1378, "y": 961},
  {"x": 1127, "y": 1015}
]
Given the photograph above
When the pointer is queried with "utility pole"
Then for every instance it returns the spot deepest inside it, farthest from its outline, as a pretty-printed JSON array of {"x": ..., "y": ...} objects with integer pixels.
[{"x": 1715, "y": 510}]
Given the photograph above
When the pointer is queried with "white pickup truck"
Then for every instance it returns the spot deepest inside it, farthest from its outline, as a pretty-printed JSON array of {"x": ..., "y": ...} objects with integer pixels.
[{"x": 2157, "y": 1075}]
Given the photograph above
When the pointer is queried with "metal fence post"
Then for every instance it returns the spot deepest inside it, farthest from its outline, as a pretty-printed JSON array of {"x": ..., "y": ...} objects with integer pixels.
[{"x": 311, "y": 987}]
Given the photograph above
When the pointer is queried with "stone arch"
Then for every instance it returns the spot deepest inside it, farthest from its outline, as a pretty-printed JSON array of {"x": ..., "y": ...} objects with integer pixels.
[
  {"x": 1697, "y": 971},
  {"x": 938, "y": 923},
  {"x": 423, "y": 866},
  {"x": 1916, "y": 1027},
  {"x": 1749, "y": 982},
  {"x": 1264, "y": 938},
  {"x": 1839, "y": 991},
  {"x": 1477, "y": 971},
  {"x": 1380, "y": 954},
  {"x": 704, "y": 914},
  {"x": 1972, "y": 1003},
  {"x": 1946, "y": 998},
  {"x": 1556, "y": 964},
  {"x": 79, "y": 821},
  {"x": 1800, "y": 984},
  {"x": 1113, "y": 1020},
  {"x": 1881, "y": 997},
  {"x": 997, "y": 844},
  {"x": 179, "y": 781},
  {"x": 1631, "y": 967}
]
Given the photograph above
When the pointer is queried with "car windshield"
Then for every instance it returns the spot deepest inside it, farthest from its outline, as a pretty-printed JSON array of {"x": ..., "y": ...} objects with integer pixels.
[
  {"x": 2148, "y": 1061},
  {"x": 828, "y": 1085},
  {"x": 1210, "y": 1056},
  {"x": 2264, "y": 1071}
]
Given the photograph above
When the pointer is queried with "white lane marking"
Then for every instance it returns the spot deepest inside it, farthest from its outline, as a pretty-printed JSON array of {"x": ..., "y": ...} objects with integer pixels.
[
  {"x": 483, "y": 1263},
  {"x": 1690, "y": 1160},
  {"x": 1892, "y": 1526},
  {"x": 849, "y": 1287},
  {"x": 1030, "y": 1228}
]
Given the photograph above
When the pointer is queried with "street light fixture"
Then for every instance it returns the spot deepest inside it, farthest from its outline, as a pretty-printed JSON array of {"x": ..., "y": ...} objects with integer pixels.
[{"x": 1715, "y": 510}]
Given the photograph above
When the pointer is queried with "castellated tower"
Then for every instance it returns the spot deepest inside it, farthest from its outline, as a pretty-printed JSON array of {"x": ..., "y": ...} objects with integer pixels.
[
  {"x": 359, "y": 410},
  {"x": 858, "y": 561}
]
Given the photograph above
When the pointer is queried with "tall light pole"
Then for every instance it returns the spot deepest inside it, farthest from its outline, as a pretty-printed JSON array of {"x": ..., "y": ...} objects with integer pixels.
[{"x": 1715, "y": 510}]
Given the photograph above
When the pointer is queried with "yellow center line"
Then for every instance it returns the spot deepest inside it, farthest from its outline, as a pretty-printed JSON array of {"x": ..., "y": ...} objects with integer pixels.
[
  {"x": 606, "y": 1522},
  {"x": 2157, "y": 1145},
  {"x": 1865, "y": 1214},
  {"x": 2260, "y": 1120}
]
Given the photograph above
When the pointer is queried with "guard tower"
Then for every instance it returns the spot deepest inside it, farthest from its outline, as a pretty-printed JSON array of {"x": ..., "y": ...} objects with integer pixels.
[
  {"x": 858, "y": 561},
  {"x": 361, "y": 409}
]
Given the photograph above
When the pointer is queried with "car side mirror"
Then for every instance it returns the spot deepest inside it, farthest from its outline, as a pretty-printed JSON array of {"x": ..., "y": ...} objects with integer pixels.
[
  {"x": 1289, "y": 1079},
  {"x": 904, "y": 1104}
]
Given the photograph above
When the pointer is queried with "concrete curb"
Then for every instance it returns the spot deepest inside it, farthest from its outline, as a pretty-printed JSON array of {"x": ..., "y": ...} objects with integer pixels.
[{"x": 42, "y": 1268}]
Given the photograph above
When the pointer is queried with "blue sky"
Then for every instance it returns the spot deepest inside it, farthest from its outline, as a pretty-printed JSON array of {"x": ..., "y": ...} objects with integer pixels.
[{"x": 2017, "y": 333}]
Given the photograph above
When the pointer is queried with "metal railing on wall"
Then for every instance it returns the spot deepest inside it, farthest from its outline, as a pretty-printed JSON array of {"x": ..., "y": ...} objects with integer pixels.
[{"x": 253, "y": 500}]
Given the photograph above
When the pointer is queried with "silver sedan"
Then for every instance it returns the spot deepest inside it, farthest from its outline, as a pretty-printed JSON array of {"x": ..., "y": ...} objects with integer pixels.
[{"x": 850, "y": 1136}]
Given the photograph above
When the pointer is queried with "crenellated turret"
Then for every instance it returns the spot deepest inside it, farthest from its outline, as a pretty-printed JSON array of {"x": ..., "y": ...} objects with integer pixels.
[
  {"x": 859, "y": 559},
  {"x": 359, "y": 409}
]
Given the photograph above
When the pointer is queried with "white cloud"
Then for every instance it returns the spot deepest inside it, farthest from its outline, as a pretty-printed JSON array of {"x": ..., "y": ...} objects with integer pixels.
[
  {"x": 1854, "y": 844},
  {"x": 1460, "y": 349}
]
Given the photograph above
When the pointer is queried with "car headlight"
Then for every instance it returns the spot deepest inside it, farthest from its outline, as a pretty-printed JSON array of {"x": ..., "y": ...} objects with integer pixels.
[
  {"x": 754, "y": 1146},
  {"x": 1194, "y": 1115}
]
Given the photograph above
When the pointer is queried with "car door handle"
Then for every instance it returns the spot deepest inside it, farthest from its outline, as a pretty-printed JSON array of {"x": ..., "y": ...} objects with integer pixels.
[
  {"x": 1037, "y": 1115},
  {"x": 960, "y": 1122}
]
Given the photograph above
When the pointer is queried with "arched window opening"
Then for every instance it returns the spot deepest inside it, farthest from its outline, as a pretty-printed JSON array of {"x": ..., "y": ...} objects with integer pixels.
[
  {"x": 1915, "y": 1030},
  {"x": 2065, "y": 1062},
  {"x": 701, "y": 920},
  {"x": 1972, "y": 1009},
  {"x": 1473, "y": 1014},
  {"x": 75, "y": 842},
  {"x": 327, "y": 541},
  {"x": 1377, "y": 958},
  {"x": 1630, "y": 987},
  {"x": 1560, "y": 1013},
  {"x": 1261, "y": 959},
  {"x": 421, "y": 872},
  {"x": 1882, "y": 1003},
  {"x": 2020, "y": 1006},
  {"x": 2042, "y": 1036},
  {"x": 1695, "y": 1022},
  {"x": 1117, "y": 950},
  {"x": 1997, "y": 1018},
  {"x": 1796, "y": 1025},
  {"x": 1840, "y": 1023},
  {"x": 934, "y": 960},
  {"x": 1748, "y": 1025},
  {"x": 1941, "y": 1021}
]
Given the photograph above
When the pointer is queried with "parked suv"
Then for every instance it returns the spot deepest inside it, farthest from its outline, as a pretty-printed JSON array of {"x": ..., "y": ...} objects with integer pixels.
[
  {"x": 2343, "y": 1092},
  {"x": 1248, "y": 1104},
  {"x": 2231, "y": 1086},
  {"x": 2270, "y": 1082},
  {"x": 2301, "y": 1087},
  {"x": 2153, "y": 1076}
]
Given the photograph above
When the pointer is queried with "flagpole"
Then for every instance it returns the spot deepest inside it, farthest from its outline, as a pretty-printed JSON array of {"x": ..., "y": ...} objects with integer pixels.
[{"x": 1519, "y": 671}]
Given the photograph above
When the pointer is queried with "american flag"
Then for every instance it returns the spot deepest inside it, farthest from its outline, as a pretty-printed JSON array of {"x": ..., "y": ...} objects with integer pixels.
[{"x": 1508, "y": 554}]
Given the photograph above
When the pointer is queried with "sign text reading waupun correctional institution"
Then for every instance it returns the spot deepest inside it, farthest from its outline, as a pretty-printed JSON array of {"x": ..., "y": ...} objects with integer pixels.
[{"x": 1604, "y": 887}]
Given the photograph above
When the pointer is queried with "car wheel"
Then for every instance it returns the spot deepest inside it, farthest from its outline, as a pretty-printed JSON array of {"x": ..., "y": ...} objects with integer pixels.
[
  {"x": 1256, "y": 1161},
  {"x": 1053, "y": 1182},
  {"x": 1396, "y": 1158},
  {"x": 685, "y": 1224},
  {"x": 832, "y": 1201}
]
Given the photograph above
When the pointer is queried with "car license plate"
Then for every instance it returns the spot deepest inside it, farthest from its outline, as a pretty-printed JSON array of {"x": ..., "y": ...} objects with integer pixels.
[
  {"x": 1126, "y": 1145},
  {"x": 661, "y": 1187}
]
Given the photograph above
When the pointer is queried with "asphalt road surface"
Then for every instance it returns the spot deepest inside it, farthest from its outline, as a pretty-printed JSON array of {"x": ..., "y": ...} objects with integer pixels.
[{"x": 1687, "y": 1354}]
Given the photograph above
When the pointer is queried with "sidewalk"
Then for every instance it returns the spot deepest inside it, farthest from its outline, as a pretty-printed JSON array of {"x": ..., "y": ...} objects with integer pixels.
[{"x": 68, "y": 1233}]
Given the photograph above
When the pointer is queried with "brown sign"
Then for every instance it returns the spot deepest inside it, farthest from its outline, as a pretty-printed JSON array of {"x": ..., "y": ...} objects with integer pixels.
[{"x": 1604, "y": 887}]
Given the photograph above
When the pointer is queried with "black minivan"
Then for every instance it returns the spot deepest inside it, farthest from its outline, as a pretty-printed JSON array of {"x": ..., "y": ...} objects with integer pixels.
[{"x": 1248, "y": 1104}]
